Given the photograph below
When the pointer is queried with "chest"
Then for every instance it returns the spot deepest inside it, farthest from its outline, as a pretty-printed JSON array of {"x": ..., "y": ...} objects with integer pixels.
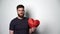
[{"x": 21, "y": 25}]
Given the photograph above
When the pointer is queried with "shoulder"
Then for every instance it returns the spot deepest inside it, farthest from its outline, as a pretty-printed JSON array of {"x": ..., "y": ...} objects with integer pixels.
[{"x": 13, "y": 20}]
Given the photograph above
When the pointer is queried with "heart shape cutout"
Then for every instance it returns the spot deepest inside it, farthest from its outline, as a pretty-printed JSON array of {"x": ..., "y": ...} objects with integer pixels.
[{"x": 33, "y": 23}]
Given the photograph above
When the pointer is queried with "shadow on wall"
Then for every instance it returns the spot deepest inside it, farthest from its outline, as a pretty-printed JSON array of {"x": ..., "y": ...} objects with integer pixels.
[
  {"x": 45, "y": 28},
  {"x": 28, "y": 14}
]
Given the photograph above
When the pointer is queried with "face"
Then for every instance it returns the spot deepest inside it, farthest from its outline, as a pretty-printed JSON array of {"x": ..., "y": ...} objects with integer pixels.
[{"x": 20, "y": 12}]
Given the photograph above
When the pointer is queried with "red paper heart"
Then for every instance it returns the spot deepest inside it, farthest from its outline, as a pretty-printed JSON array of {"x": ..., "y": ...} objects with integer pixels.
[{"x": 33, "y": 23}]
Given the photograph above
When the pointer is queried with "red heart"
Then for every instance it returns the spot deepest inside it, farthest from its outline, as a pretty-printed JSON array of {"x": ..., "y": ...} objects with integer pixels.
[{"x": 33, "y": 23}]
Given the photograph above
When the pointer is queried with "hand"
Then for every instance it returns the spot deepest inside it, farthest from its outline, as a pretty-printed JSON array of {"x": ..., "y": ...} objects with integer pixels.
[{"x": 31, "y": 30}]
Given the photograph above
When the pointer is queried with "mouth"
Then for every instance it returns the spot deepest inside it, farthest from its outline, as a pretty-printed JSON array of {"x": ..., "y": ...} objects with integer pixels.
[{"x": 21, "y": 13}]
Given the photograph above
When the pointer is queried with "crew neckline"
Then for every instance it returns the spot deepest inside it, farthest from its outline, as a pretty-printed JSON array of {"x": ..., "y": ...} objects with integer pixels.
[{"x": 20, "y": 19}]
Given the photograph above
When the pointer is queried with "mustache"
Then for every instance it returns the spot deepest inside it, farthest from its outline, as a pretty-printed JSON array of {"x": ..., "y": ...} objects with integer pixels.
[{"x": 21, "y": 15}]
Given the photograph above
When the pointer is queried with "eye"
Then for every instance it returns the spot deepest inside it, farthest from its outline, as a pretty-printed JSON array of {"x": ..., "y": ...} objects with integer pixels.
[{"x": 20, "y": 10}]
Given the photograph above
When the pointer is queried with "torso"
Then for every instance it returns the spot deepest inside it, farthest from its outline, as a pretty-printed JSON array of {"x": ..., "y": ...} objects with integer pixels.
[{"x": 21, "y": 26}]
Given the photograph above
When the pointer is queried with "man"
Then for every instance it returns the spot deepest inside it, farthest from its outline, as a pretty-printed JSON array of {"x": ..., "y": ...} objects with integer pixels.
[{"x": 19, "y": 25}]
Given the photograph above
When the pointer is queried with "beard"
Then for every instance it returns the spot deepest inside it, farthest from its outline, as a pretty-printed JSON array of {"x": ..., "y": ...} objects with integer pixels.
[{"x": 21, "y": 15}]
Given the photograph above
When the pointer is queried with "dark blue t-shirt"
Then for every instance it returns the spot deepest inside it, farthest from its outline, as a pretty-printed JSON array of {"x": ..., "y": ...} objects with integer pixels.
[{"x": 19, "y": 26}]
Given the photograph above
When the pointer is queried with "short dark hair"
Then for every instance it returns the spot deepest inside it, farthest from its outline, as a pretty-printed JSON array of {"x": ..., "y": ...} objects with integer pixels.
[{"x": 20, "y": 6}]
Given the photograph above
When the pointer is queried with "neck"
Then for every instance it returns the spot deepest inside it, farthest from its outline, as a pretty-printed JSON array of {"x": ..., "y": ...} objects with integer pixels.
[{"x": 19, "y": 17}]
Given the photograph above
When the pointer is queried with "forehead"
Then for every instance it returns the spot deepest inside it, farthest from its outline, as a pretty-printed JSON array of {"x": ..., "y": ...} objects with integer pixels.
[{"x": 20, "y": 9}]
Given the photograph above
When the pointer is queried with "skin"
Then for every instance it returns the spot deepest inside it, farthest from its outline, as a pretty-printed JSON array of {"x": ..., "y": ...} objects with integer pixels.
[{"x": 20, "y": 12}]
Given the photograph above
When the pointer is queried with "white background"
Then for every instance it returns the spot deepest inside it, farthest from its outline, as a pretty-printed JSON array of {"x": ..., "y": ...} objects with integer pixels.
[{"x": 47, "y": 11}]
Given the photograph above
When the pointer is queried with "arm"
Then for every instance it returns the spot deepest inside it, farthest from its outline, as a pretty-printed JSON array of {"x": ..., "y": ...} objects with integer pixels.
[
  {"x": 11, "y": 27},
  {"x": 11, "y": 32}
]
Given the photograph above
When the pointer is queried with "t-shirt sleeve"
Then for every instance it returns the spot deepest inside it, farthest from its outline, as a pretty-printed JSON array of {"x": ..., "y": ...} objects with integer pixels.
[
  {"x": 11, "y": 26},
  {"x": 28, "y": 24}
]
